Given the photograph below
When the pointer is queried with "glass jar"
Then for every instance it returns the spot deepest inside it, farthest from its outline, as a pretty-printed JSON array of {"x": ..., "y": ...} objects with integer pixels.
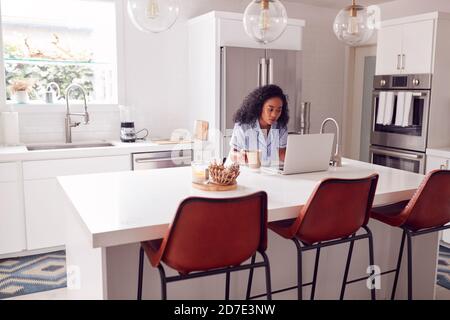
[{"x": 200, "y": 173}]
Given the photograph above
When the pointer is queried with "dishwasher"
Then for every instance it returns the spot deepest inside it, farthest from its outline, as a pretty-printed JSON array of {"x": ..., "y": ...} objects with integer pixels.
[{"x": 162, "y": 159}]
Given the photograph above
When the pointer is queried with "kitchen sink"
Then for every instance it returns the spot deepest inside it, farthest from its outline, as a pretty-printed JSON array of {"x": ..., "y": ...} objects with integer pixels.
[{"x": 68, "y": 146}]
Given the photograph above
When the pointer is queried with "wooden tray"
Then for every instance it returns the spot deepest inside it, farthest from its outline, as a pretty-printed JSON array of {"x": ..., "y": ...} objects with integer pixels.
[{"x": 214, "y": 187}]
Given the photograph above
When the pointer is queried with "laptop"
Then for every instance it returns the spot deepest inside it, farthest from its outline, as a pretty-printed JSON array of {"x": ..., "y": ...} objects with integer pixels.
[{"x": 305, "y": 153}]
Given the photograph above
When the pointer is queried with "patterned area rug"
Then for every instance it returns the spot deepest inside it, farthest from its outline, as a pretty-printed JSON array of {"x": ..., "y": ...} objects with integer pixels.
[
  {"x": 24, "y": 275},
  {"x": 443, "y": 274}
]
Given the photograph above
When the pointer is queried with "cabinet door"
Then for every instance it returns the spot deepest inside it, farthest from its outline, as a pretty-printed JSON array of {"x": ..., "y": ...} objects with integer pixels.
[
  {"x": 45, "y": 218},
  {"x": 389, "y": 50},
  {"x": 12, "y": 220},
  {"x": 418, "y": 47},
  {"x": 232, "y": 34},
  {"x": 434, "y": 163}
]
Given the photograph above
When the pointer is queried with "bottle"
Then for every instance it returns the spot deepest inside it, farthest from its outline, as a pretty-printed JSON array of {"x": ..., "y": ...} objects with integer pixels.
[{"x": 9, "y": 124}]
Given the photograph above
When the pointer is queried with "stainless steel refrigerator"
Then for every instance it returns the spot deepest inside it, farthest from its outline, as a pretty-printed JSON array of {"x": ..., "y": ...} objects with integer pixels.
[{"x": 244, "y": 69}]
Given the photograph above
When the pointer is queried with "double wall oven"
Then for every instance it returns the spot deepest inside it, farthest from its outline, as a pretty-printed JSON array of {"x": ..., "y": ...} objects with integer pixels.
[{"x": 400, "y": 110}]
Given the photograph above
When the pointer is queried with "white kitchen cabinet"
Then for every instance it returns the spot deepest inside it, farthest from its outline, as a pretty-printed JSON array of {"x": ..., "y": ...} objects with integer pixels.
[
  {"x": 44, "y": 218},
  {"x": 418, "y": 39},
  {"x": 406, "y": 47},
  {"x": 12, "y": 220},
  {"x": 389, "y": 50},
  {"x": 232, "y": 33},
  {"x": 434, "y": 163}
]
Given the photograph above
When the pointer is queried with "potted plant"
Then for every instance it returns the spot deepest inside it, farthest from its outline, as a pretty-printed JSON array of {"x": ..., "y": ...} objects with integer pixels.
[{"x": 20, "y": 89}]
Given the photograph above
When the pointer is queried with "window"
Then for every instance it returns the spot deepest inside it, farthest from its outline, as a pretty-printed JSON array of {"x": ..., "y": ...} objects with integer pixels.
[{"x": 63, "y": 42}]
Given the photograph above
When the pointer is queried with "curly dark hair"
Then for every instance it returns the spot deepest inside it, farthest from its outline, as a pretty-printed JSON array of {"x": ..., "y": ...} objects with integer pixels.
[{"x": 252, "y": 105}]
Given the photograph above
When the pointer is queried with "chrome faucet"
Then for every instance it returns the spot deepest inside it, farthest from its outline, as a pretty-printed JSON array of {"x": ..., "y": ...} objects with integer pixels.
[
  {"x": 69, "y": 123},
  {"x": 336, "y": 159}
]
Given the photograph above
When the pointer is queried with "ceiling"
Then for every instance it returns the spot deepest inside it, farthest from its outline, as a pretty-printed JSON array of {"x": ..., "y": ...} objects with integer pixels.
[{"x": 337, "y": 3}]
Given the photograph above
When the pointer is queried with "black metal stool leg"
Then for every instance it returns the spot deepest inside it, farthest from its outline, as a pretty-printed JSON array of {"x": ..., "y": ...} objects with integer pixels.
[
  {"x": 227, "y": 286},
  {"x": 250, "y": 279},
  {"x": 162, "y": 275},
  {"x": 347, "y": 268},
  {"x": 268, "y": 281},
  {"x": 410, "y": 284},
  {"x": 316, "y": 267},
  {"x": 140, "y": 273},
  {"x": 299, "y": 270},
  {"x": 399, "y": 264},
  {"x": 371, "y": 260}
]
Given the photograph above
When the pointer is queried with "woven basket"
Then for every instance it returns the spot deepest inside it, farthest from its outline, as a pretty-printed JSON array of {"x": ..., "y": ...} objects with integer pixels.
[{"x": 219, "y": 174}]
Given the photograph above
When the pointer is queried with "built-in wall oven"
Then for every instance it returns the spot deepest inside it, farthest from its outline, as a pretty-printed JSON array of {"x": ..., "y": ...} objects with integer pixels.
[{"x": 400, "y": 112}]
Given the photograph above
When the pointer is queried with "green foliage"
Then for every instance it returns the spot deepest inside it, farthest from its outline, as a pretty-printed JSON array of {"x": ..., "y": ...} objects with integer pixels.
[{"x": 43, "y": 74}]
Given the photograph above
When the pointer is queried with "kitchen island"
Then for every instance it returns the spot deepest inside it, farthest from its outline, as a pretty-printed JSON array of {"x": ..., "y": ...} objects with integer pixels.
[{"x": 108, "y": 214}]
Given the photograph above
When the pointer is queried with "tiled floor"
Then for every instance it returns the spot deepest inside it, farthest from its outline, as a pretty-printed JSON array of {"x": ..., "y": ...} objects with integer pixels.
[
  {"x": 61, "y": 294},
  {"x": 442, "y": 293},
  {"x": 57, "y": 294}
]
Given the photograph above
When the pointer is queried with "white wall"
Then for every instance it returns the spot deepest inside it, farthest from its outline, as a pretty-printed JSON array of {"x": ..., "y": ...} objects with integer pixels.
[
  {"x": 404, "y": 8},
  {"x": 156, "y": 66}
]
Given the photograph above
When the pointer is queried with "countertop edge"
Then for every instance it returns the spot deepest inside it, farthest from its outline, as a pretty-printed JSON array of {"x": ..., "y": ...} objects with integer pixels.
[
  {"x": 439, "y": 152},
  {"x": 118, "y": 149}
]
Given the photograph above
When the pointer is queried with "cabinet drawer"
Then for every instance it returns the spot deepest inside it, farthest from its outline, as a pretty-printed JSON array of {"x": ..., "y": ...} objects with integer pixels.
[
  {"x": 52, "y": 168},
  {"x": 9, "y": 172}
]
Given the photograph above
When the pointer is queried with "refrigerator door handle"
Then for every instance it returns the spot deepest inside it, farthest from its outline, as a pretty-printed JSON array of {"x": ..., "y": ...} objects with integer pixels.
[
  {"x": 259, "y": 73},
  {"x": 263, "y": 66},
  {"x": 270, "y": 73}
]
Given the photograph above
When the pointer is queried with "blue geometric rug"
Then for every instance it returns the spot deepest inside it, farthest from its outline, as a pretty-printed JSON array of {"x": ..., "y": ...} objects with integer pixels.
[
  {"x": 443, "y": 274},
  {"x": 24, "y": 275}
]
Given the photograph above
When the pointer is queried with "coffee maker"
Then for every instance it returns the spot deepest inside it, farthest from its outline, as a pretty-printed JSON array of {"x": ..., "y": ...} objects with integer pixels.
[{"x": 127, "y": 130}]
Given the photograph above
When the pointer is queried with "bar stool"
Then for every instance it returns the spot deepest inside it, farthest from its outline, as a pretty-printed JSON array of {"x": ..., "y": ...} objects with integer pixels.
[
  {"x": 334, "y": 213},
  {"x": 428, "y": 211},
  {"x": 209, "y": 237}
]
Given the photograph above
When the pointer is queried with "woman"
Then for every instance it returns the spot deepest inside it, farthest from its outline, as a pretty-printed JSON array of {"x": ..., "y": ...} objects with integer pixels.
[{"x": 261, "y": 124}]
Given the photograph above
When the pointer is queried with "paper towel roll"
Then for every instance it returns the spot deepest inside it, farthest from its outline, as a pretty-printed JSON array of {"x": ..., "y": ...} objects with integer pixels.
[{"x": 9, "y": 122}]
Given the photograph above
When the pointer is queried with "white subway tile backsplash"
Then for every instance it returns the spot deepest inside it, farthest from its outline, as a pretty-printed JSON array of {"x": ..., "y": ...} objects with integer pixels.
[{"x": 43, "y": 126}]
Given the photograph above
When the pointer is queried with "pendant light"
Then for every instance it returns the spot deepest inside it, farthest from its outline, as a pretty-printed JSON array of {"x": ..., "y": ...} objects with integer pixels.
[
  {"x": 265, "y": 20},
  {"x": 354, "y": 25},
  {"x": 153, "y": 15}
]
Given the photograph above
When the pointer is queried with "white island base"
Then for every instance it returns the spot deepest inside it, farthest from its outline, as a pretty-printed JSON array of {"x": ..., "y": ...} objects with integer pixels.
[{"x": 109, "y": 214}]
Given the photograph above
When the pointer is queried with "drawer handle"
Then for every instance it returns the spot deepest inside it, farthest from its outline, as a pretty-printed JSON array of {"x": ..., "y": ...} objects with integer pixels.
[{"x": 148, "y": 160}]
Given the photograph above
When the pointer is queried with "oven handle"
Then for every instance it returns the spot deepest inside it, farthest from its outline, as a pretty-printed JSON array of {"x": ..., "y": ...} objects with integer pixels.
[
  {"x": 397, "y": 154},
  {"x": 415, "y": 94}
]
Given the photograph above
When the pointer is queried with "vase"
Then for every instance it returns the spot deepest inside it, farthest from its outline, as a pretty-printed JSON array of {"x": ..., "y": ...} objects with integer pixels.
[{"x": 21, "y": 96}]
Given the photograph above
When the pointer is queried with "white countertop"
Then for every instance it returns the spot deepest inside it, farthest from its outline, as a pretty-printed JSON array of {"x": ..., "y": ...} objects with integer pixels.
[
  {"x": 20, "y": 153},
  {"x": 439, "y": 152},
  {"x": 127, "y": 207}
]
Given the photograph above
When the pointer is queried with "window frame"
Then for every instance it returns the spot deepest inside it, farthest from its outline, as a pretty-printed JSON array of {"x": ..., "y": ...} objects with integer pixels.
[{"x": 118, "y": 68}]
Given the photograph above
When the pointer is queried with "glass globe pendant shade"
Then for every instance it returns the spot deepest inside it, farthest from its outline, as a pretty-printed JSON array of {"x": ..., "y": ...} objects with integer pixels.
[
  {"x": 354, "y": 25},
  {"x": 265, "y": 20},
  {"x": 153, "y": 15}
]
